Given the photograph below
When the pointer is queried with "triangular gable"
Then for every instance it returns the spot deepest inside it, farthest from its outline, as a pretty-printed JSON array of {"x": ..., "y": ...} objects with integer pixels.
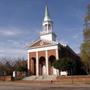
[{"x": 40, "y": 43}]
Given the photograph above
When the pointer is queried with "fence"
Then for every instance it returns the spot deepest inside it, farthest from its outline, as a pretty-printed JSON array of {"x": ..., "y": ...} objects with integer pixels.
[{"x": 5, "y": 78}]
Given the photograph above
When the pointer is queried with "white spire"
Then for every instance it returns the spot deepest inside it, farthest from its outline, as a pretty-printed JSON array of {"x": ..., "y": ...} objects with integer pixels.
[{"x": 46, "y": 17}]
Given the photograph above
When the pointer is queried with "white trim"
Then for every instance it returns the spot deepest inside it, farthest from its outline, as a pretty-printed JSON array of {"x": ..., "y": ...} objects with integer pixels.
[
  {"x": 37, "y": 64},
  {"x": 35, "y": 42},
  {"x": 28, "y": 62},
  {"x": 43, "y": 48}
]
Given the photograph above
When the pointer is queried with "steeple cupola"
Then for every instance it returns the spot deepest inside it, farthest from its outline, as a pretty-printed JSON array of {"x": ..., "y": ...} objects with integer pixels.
[{"x": 47, "y": 26}]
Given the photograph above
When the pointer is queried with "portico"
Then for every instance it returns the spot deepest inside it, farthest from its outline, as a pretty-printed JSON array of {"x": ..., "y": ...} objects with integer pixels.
[{"x": 41, "y": 60}]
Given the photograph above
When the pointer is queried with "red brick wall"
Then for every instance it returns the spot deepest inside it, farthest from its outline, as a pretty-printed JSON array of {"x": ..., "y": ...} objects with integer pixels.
[
  {"x": 31, "y": 61},
  {"x": 41, "y": 53},
  {"x": 5, "y": 78},
  {"x": 52, "y": 52},
  {"x": 74, "y": 78},
  {"x": 32, "y": 54}
]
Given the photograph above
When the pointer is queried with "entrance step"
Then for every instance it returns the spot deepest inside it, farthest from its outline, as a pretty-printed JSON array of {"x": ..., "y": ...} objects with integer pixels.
[
  {"x": 41, "y": 78},
  {"x": 30, "y": 78}
]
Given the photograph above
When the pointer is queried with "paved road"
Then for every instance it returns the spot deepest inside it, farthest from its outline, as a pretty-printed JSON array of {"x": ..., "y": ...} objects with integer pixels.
[
  {"x": 67, "y": 88},
  {"x": 39, "y": 86}
]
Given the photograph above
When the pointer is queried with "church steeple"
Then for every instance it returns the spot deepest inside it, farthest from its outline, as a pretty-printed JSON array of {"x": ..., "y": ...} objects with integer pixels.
[
  {"x": 47, "y": 23},
  {"x": 47, "y": 26}
]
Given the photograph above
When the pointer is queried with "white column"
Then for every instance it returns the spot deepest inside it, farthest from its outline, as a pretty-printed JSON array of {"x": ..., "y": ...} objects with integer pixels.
[
  {"x": 28, "y": 62},
  {"x": 55, "y": 71},
  {"x": 46, "y": 56},
  {"x": 57, "y": 57},
  {"x": 37, "y": 64}
]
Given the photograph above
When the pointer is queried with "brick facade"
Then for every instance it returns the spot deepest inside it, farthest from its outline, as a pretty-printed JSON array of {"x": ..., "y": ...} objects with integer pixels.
[{"x": 32, "y": 60}]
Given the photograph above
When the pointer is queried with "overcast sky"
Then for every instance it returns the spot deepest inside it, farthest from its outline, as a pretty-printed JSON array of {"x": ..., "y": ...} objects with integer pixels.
[{"x": 21, "y": 22}]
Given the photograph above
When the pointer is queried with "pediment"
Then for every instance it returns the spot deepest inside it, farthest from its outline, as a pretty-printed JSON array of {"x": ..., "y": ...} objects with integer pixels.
[{"x": 40, "y": 43}]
